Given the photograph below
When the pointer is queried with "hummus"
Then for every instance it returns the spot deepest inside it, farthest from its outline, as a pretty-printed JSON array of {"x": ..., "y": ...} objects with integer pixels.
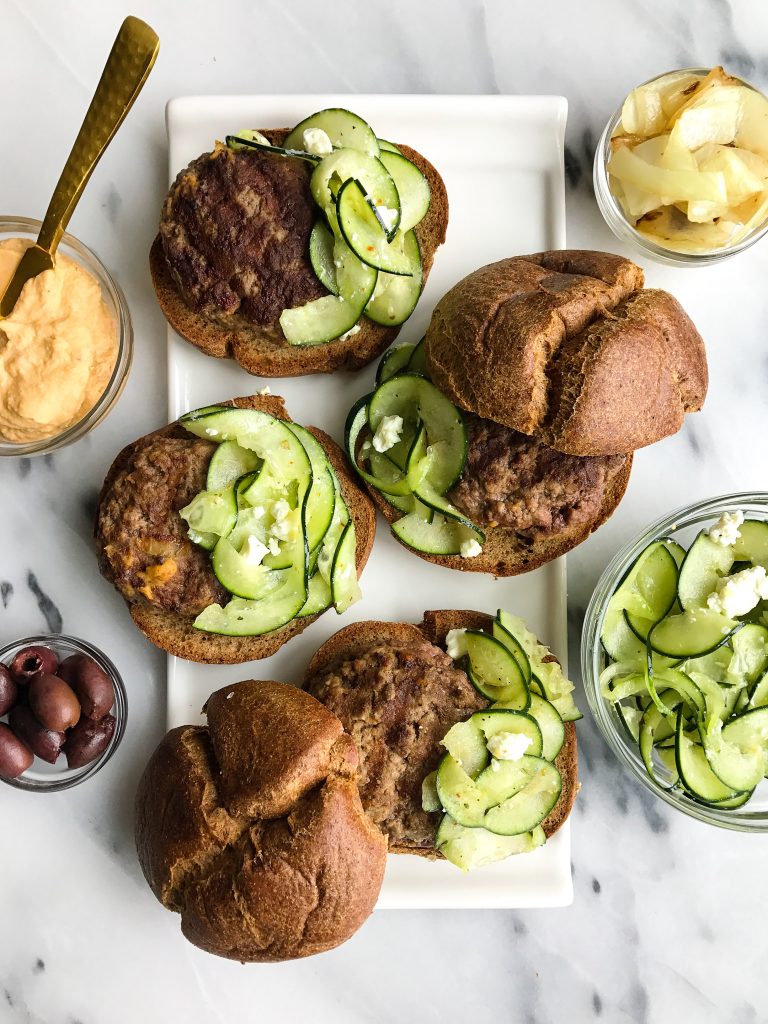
[{"x": 58, "y": 348}]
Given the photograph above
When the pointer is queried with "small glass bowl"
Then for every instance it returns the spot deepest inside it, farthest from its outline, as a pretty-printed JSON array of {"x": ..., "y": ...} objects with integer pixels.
[
  {"x": 682, "y": 526},
  {"x": 52, "y": 778},
  {"x": 26, "y": 227},
  {"x": 614, "y": 215}
]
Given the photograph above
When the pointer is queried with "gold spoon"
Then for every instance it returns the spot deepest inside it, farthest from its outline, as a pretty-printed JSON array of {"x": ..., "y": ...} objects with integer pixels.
[{"x": 128, "y": 65}]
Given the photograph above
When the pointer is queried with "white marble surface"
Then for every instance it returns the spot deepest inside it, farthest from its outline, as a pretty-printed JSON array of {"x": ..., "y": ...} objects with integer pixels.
[{"x": 669, "y": 919}]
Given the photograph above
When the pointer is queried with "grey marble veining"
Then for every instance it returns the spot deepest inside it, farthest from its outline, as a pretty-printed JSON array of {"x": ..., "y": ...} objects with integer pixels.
[{"x": 668, "y": 921}]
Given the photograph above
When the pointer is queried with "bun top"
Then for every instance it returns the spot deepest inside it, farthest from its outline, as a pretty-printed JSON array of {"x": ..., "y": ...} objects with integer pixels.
[
  {"x": 567, "y": 345},
  {"x": 253, "y": 830}
]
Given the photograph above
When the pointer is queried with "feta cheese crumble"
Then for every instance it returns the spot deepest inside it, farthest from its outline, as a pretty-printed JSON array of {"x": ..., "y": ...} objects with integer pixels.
[
  {"x": 388, "y": 433},
  {"x": 211, "y": 432},
  {"x": 283, "y": 526},
  {"x": 456, "y": 643},
  {"x": 726, "y": 530},
  {"x": 266, "y": 390},
  {"x": 387, "y": 217},
  {"x": 738, "y": 594},
  {"x": 317, "y": 142},
  {"x": 253, "y": 551},
  {"x": 350, "y": 333},
  {"x": 508, "y": 746},
  {"x": 470, "y": 548},
  {"x": 274, "y": 546}
]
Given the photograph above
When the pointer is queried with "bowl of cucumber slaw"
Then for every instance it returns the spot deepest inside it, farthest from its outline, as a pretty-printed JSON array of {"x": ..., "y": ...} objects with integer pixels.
[{"x": 675, "y": 659}]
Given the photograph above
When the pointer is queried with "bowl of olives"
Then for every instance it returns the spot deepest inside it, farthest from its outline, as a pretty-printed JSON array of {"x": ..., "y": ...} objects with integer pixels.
[{"x": 62, "y": 712}]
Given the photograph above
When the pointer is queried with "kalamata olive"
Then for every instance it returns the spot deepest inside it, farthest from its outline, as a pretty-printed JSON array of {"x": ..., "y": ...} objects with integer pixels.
[
  {"x": 15, "y": 757},
  {"x": 53, "y": 703},
  {"x": 91, "y": 683},
  {"x": 45, "y": 743},
  {"x": 88, "y": 739},
  {"x": 9, "y": 691},
  {"x": 33, "y": 661}
]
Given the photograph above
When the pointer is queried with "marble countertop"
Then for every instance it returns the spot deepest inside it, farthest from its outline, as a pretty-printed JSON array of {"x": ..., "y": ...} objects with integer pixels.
[{"x": 668, "y": 920}]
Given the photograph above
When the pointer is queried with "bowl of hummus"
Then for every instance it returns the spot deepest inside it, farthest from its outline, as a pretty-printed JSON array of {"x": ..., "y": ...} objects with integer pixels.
[{"x": 66, "y": 348}]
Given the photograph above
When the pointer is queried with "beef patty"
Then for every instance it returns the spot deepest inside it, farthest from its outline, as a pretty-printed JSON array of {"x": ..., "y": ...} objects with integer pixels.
[
  {"x": 235, "y": 233},
  {"x": 398, "y": 703},
  {"x": 513, "y": 480},
  {"x": 142, "y": 540}
]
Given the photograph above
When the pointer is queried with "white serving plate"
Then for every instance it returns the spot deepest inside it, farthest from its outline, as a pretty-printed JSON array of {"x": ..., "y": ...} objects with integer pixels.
[{"x": 502, "y": 161}]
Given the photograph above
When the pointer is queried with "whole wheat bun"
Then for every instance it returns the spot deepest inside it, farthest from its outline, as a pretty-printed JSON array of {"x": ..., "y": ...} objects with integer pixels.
[
  {"x": 264, "y": 350},
  {"x": 251, "y": 828},
  {"x": 355, "y": 640},
  {"x": 569, "y": 347},
  {"x": 177, "y": 635}
]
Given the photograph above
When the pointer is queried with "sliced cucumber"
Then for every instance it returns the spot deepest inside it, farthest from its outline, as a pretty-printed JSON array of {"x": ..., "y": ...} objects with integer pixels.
[
  {"x": 394, "y": 361},
  {"x": 412, "y": 187},
  {"x": 508, "y": 720},
  {"x": 655, "y": 727},
  {"x": 550, "y": 724},
  {"x": 470, "y": 848},
  {"x": 548, "y": 670},
  {"x": 364, "y": 234},
  {"x": 331, "y": 316},
  {"x": 439, "y": 536},
  {"x": 228, "y": 463},
  {"x": 250, "y": 139},
  {"x": 377, "y": 183},
  {"x": 322, "y": 495},
  {"x": 345, "y": 589},
  {"x": 418, "y": 362},
  {"x": 739, "y": 754},
  {"x": 345, "y": 130},
  {"x": 395, "y": 296},
  {"x": 416, "y": 399},
  {"x": 529, "y": 805},
  {"x": 387, "y": 147},
  {"x": 212, "y": 512},
  {"x": 237, "y": 574},
  {"x": 458, "y": 794},
  {"x": 649, "y": 589},
  {"x": 515, "y": 649},
  {"x": 750, "y": 655},
  {"x": 694, "y": 770},
  {"x": 319, "y": 597},
  {"x": 704, "y": 565},
  {"x": 466, "y": 743},
  {"x": 494, "y": 672},
  {"x": 321, "y": 243},
  {"x": 692, "y": 633},
  {"x": 752, "y": 543}
]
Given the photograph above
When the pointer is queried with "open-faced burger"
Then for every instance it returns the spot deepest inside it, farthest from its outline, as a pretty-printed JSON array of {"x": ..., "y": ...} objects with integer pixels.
[
  {"x": 231, "y": 530},
  {"x": 464, "y": 726},
  {"x": 298, "y": 251},
  {"x": 506, "y": 437}
]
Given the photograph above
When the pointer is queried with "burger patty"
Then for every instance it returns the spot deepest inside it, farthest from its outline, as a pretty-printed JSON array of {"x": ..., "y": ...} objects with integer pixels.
[
  {"x": 142, "y": 540},
  {"x": 398, "y": 703},
  {"x": 235, "y": 233},
  {"x": 515, "y": 481}
]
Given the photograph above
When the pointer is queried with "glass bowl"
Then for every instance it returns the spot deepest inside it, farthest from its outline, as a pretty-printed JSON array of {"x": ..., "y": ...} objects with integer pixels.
[
  {"x": 26, "y": 227},
  {"x": 682, "y": 526},
  {"x": 616, "y": 219},
  {"x": 52, "y": 778}
]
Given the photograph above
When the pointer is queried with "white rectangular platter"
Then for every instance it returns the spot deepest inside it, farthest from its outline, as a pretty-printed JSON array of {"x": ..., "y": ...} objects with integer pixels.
[{"x": 502, "y": 161}]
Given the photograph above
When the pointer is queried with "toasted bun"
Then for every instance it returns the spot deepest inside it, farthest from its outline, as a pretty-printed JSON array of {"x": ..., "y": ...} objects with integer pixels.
[
  {"x": 358, "y": 638},
  {"x": 504, "y": 552},
  {"x": 252, "y": 828},
  {"x": 568, "y": 346},
  {"x": 264, "y": 350},
  {"x": 177, "y": 635}
]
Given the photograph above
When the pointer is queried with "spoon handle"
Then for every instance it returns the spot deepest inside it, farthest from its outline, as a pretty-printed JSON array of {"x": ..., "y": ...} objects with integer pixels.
[{"x": 129, "y": 62}]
